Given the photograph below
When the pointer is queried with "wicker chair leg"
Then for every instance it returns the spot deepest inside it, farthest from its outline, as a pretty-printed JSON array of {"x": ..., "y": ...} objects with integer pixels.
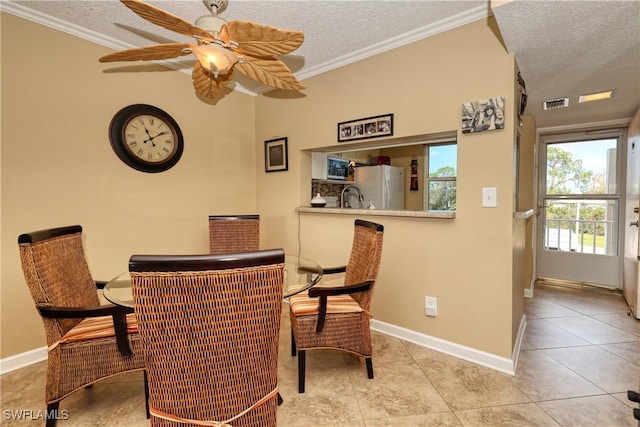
[
  {"x": 293, "y": 344},
  {"x": 369, "y": 367},
  {"x": 146, "y": 394},
  {"x": 301, "y": 363},
  {"x": 52, "y": 414}
]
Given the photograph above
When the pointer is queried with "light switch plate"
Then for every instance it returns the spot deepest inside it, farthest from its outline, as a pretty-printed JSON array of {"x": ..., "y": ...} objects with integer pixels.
[{"x": 489, "y": 197}]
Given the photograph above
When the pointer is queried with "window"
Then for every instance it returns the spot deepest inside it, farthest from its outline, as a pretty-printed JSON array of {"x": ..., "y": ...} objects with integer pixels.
[
  {"x": 581, "y": 196},
  {"x": 441, "y": 162}
]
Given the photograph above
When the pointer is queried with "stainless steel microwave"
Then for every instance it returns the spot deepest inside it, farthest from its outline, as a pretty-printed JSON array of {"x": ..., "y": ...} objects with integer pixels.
[{"x": 337, "y": 168}]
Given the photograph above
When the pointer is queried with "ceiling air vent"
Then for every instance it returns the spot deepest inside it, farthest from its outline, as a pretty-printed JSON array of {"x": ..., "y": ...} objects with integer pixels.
[{"x": 555, "y": 103}]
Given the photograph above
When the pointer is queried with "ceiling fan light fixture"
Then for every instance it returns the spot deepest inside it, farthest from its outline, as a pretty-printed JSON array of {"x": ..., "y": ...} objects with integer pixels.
[{"x": 215, "y": 58}]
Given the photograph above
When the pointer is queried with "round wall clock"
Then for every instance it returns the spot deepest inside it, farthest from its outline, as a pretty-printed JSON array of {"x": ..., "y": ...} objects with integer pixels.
[{"x": 146, "y": 138}]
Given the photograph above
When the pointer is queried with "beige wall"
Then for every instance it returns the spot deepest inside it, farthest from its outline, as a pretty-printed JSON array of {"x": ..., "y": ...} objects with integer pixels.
[
  {"x": 527, "y": 195},
  {"x": 58, "y": 167},
  {"x": 465, "y": 262}
]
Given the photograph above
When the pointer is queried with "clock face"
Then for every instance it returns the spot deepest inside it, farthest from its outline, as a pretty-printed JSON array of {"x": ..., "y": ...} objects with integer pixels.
[
  {"x": 149, "y": 138},
  {"x": 146, "y": 138}
]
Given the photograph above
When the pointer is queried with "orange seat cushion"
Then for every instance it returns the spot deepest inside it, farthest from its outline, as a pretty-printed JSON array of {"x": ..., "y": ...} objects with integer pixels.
[
  {"x": 97, "y": 327},
  {"x": 302, "y": 305}
]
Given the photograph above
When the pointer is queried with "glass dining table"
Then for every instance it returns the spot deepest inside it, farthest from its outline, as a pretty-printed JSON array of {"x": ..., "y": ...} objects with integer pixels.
[{"x": 300, "y": 274}]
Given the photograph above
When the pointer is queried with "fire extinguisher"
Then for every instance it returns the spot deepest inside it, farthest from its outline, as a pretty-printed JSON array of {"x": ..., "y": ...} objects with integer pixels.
[{"x": 414, "y": 174}]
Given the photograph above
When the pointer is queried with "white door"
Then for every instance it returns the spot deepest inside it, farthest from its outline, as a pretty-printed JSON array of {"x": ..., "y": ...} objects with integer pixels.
[
  {"x": 580, "y": 199},
  {"x": 632, "y": 208}
]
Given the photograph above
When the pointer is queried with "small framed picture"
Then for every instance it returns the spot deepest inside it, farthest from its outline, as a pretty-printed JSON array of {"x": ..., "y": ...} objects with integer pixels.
[
  {"x": 275, "y": 155},
  {"x": 479, "y": 116},
  {"x": 369, "y": 127}
]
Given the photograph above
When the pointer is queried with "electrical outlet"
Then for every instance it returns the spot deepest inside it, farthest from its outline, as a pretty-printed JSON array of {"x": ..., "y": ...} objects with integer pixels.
[{"x": 430, "y": 306}]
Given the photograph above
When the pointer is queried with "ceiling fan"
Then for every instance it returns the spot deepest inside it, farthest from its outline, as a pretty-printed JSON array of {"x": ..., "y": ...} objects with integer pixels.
[{"x": 220, "y": 48}]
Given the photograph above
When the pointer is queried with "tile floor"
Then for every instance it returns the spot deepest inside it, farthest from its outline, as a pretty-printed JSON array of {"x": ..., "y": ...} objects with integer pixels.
[{"x": 580, "y": 356}]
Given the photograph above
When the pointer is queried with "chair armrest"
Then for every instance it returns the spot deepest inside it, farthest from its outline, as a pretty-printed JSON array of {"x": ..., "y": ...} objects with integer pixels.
[
  {"x": 334, "y": 270},
  {"x": 323, "y": 293},
  {"x": 81, "y": 312},
  {"x": 118, "y": 313}
]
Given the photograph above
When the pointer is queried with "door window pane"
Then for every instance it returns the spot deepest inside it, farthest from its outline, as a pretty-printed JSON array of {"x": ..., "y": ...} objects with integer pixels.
[
  {"x": 584, "y": 226},
  {"x": 583, "y": 167}
]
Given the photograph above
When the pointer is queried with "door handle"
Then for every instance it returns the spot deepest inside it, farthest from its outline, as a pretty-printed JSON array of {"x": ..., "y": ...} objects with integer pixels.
[{"x": 634, "y": 223}]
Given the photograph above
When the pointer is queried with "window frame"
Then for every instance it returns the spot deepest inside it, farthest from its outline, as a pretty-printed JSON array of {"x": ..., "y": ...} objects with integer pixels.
[{"x": 427, "y": 179}]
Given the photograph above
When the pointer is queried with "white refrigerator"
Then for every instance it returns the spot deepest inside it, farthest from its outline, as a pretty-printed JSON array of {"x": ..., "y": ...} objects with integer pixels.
[{"x": 383, "y": 185}]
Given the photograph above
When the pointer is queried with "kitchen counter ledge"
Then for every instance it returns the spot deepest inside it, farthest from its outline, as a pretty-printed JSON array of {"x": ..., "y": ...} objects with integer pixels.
[{"x": 378, "y": 212}]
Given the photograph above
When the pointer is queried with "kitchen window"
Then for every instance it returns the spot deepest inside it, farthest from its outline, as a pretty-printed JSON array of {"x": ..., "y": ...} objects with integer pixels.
[{"x": 441, "y": 172}]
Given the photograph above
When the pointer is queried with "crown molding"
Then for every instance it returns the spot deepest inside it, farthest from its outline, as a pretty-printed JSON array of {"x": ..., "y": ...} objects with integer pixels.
[
  {"x": 472, "y": 15},
  {"x": 61, "y": 25},
  {"x": 92, "y": 36}
]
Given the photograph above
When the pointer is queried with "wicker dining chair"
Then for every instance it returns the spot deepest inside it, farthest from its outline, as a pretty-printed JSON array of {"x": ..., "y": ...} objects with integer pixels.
[
  {"x": 210, "y": 327},
  {"x": 337, "y": 317},
  {"x": 86, "y": 341},
  {"x": 234, "y": 233}
]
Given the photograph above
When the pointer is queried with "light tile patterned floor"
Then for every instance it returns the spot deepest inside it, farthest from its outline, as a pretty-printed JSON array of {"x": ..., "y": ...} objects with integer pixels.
[{"x": 580, "y": 356}]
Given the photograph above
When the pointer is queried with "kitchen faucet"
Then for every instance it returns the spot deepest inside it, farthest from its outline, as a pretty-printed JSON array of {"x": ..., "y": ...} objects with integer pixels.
[{"x": 345, "y": 203}]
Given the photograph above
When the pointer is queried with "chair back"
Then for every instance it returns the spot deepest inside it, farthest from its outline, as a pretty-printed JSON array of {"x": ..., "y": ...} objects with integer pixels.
[
  {"x": 57, "y": 274},
  {"x": 234, "y": 233},
  {"x": 364, "y": 260},
  {"x": 210, "y": 328}
]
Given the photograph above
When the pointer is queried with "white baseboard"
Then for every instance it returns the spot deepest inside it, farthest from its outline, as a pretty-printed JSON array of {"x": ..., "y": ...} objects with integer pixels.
[
  {"x": 528, "y": 292},
  {"x": 518, "y": 343},
  {"x": 473, "y": 355},
  {"x": 21, "y": 360},
  {"x": 479, "y": 357}
]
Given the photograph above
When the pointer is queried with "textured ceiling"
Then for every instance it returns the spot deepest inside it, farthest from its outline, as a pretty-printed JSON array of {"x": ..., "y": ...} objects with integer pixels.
[
  {"x": 336, "y": 32},
  {"x": 564, "y": 48},
  {"x": 573, "y": 48}
]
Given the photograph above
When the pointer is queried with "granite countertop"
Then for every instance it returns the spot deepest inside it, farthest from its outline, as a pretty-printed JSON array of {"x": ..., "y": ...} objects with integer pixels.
[
  {"x": 409, "y": 214},
  {"x": 378, "y": 212}
]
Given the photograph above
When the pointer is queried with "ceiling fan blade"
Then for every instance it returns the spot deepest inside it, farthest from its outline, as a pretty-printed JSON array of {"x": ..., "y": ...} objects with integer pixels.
[
  {"x": 271, "y": 72},
  {"x": 206, "y": 84},
  {"x": 155, "y": 52},
  {"x": 262, "y": 40},
  {"x": 224, "y": 34},
  {"x": 167, "y": 20}
]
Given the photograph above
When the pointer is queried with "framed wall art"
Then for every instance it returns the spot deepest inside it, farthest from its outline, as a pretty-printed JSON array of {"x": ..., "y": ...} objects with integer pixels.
[
  {"x": 369, "y": 127},
  {"x": 275, "y": 155},
  {"x": 479, "y": 116}
]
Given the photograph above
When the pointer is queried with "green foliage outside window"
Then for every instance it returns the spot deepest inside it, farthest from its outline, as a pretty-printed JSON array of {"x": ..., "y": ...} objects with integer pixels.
[
  {"x": 566, "y": 175},
  {"x": 441, "y": 179}
]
